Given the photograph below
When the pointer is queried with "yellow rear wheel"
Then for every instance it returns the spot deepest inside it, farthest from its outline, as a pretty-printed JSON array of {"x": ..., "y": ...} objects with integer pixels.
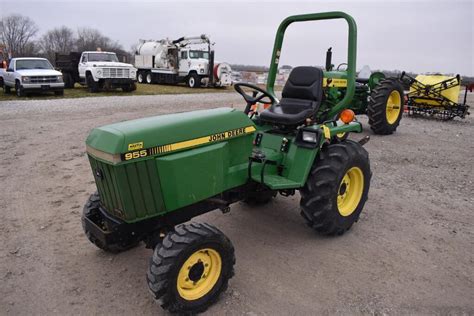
[
  {"x": 337, "y": 188},
  {"x": 394, "y": 106}
]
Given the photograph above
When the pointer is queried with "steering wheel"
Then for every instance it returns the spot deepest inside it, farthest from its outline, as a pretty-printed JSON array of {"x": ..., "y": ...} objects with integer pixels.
[{"x": 258, "y": 95}]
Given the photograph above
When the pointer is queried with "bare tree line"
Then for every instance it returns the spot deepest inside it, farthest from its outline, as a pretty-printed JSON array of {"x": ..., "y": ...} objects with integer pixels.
[{"x": 18, "y": 36}]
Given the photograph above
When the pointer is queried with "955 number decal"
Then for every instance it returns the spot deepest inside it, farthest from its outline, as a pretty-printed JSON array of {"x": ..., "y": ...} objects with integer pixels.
[{"x": 135, "y": 154}]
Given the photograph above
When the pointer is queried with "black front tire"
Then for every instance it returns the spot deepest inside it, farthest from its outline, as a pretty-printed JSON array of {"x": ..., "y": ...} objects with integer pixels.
[
  {"x": 194, "y": 81},
  {"x": 19, "y": 90},
  {"x": 378, "y": 109},
  {"x": 92, "y": 205},
  {"x": 92, "y": 86},
  {"x": 171, "y": 258},
  {"x": 320, "y": 194},
  {"x": 130, "y": 87}
]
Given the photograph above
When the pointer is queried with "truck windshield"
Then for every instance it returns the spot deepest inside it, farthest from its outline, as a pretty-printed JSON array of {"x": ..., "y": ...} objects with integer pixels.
[
  {"x": 102, "y": 57},
  {"x": 33, "y": 64},
  {"x": 198, "y": 54}
]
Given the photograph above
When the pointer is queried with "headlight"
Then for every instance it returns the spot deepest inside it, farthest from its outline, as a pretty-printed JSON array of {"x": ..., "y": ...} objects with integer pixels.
[
  {"x": 202, "y": 71},
  {"x": 59, "y": 78},
  {"x": 98, "y": 72},
  {"x": 310, "y": 137},
  {"x": 25, "y": 79},
  {"x": 133, "y": 73}
]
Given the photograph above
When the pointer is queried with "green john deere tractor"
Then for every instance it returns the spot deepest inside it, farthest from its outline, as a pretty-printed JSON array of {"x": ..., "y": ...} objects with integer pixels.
[{"x": 156, "y": 173}]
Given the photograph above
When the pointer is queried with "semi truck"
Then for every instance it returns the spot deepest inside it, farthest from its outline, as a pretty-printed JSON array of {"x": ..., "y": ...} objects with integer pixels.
[
  {"x": 187, "y": 60},
  {"x": 97, "y": 70}
]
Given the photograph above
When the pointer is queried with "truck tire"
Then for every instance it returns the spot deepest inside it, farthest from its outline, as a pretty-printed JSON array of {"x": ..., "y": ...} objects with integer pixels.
[
  {"x": 191, "y": 268},
  {"x": 130, "y": 87},
  {"x": 140, "y": 77},
  {"x": 194, "y": 81},
  {"x": 385, "y": 108},
  {"x": 149, "y": 78},
  {"x": 19, "y": 90},
  {"x": 92, "y": 86},
  {"x": 68, "y": 81},
  {"x": 91, "y": 206},
  {"x": 337, "y": 188}
]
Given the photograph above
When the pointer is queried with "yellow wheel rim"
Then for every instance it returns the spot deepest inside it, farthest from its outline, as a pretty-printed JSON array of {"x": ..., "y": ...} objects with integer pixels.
[
  {"x": 350, "y": 191},
  {"x": 199, "y": 274},
  {"x": 394, "y": 106}
]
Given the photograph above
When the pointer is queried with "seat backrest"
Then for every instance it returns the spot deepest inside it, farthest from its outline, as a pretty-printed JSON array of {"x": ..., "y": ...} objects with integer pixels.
[{"x": 304, "y": 83}]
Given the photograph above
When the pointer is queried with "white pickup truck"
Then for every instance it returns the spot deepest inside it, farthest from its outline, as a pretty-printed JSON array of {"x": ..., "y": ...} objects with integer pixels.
[
  {"x": 97, "y": 70},
  {"x": 28, "y": 74}
]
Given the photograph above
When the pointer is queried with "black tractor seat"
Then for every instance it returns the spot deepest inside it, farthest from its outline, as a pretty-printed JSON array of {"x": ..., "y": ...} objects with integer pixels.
[{"x": 301, "y": 98}]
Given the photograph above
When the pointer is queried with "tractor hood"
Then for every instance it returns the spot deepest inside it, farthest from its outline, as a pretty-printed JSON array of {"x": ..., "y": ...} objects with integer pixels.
[{"x": 165, "y": 133}]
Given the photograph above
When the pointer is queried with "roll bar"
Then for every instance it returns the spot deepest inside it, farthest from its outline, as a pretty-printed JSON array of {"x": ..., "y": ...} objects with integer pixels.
[{"x": 351, "y": 51}]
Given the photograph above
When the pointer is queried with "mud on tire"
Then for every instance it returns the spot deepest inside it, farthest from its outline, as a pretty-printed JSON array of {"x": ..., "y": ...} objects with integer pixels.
[
  {"x": 319, "y": 196},
  {"x": 174, "y": 254}
]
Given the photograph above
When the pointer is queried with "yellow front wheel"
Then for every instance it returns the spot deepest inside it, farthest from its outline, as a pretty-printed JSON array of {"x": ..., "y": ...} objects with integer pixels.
[
  {"x": 337, "y": 188},
  {"x": 190, "y": 268},
  {"x": 199, "y": 274}
]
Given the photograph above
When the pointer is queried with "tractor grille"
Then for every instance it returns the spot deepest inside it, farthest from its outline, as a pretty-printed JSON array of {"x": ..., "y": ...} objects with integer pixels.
[
  {"x": 44, "y": 79},
  {"x": 116, "y": 72},
  {"x": 130, "y": 191}
]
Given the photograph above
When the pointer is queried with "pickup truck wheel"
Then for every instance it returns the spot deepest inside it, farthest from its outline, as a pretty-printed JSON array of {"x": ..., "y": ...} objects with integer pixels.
[
  {"x": 6, "y": 89},
  {"x": 92, "y": 86},
  {"x": 19, "y": 90},
  {"x": 149, "y": 78},
  {"x": 194, "y": 81}
]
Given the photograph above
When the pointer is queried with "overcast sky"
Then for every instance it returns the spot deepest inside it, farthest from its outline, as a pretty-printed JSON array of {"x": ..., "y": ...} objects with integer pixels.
[{"x": 420, "y": 36}]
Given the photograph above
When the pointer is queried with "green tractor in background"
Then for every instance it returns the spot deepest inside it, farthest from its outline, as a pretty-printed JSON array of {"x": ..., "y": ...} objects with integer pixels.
[{"x": 156, "y": 173}]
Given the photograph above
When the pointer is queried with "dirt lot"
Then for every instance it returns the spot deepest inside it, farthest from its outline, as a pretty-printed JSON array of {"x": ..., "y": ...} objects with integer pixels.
[{"x": 412, "y": 252}]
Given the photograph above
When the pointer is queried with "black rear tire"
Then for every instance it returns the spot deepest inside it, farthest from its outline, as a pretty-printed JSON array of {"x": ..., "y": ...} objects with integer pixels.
[
  {"x": 378, "y": 109},
  {"x": 327, "y": 183},
  {"x": 140, "y": 77},
  {"x": 149, "y": 77},
  {"x": 179, "y": 253},
  {"x": 91, "y": 206}
]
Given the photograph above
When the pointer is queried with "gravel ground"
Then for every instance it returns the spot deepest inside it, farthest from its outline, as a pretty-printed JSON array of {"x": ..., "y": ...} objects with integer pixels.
[{"x": 411, "y": 252}]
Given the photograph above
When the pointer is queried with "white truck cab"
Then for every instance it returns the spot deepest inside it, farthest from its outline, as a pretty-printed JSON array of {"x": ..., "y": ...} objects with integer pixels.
[
  {"x": 29, "y": 74},
  {"x": 103, "y": 69}
]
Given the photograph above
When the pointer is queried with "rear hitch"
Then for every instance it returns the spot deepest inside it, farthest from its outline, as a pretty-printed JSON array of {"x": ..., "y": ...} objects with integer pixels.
[{"x": 364, "y": 140}]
